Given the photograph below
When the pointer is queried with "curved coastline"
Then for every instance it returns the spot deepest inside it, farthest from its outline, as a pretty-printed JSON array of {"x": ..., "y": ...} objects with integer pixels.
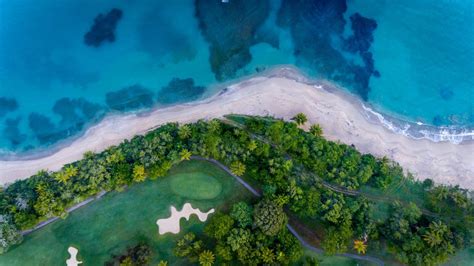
[
  {"x": 280, "y": 92},
  {"x": 400, "y": 125}
]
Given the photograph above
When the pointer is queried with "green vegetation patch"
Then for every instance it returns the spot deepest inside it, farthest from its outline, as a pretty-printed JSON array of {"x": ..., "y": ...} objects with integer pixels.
[
  {"x": 345, "y": 201},
  {"x": 120, "y": 220},
  {"x": 195, "y": 186}
]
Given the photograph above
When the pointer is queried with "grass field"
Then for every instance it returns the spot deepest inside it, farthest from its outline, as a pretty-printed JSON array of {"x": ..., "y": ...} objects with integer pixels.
[
  {"x": 121, "y": 219},
  {"x": 325, "y": 260},
  {"x": 463, "y": 258}
]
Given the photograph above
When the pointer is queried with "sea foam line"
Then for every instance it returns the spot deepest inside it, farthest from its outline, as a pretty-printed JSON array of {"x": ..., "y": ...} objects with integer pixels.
[{"x": 419, "y": 130}]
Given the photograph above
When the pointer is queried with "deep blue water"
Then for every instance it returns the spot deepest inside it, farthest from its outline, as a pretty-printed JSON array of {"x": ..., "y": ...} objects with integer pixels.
[{"x": 65, "y": 64}]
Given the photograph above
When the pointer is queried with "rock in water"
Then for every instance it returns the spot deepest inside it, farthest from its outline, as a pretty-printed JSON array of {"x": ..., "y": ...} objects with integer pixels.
[{"x": 103, "y": 28}]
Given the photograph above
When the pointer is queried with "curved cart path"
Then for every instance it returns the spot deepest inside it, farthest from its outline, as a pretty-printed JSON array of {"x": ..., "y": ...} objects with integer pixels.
[{"x": 292, "y": 230}]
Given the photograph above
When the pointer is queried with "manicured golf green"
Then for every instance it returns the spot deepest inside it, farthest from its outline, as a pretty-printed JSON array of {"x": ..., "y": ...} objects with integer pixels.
[
  {"x": 196, "y": 186},
  {"x": 120, "y": 219}
]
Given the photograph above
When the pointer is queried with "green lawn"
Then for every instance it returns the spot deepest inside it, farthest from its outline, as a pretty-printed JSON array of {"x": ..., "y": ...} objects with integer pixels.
[
  {"x": 325, "y": 260},
  {"x": 120, "y": 219},
  {"x": 463, "y": 258}
]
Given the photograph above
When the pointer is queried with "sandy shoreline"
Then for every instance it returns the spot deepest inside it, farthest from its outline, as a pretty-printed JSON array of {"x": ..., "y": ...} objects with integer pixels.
[{"x": 340, "y": 115}]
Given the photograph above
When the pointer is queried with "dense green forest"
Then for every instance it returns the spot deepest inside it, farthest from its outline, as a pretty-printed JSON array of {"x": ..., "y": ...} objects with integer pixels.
[{"x": 350, "y": 200}]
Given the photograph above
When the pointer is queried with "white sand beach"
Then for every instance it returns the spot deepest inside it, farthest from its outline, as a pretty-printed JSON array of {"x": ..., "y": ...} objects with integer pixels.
[{"x": 340, "y": 115}]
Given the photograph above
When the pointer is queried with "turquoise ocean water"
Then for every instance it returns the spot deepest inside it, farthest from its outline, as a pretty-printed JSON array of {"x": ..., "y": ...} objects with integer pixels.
[{"x": 410, "y": 59}]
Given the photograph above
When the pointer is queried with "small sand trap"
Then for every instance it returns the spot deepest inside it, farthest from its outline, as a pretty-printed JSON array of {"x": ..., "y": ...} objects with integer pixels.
[
  {"x": 72, "y": 261},
  {"x": 171, "y": 224}
]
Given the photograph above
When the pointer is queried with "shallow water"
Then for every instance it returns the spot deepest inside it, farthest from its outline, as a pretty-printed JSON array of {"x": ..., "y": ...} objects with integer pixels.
[{"x": 411, "y": 59}]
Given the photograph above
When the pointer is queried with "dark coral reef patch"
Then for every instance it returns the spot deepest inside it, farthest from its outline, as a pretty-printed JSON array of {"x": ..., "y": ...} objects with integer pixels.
[
  {"x": 446, "y": 93},
  {"x": 43, "y": 128},
  {"x": 311, "y": 24},
  {"x": 12, "y": 133},
  {"x": 7, "y": 105},
  {"x": 230, "y": 28},
  {"x": 156, "y": 28},
  {"x": 317, "y": 28},
  {"x": 103, "y": 28},
  {"x": 360, "y": 42},
  {"x": 130, "y": 98},
  {"x": 75, "y": 113},
  {"x": 362, "y": 36},
  {"x": 180, "y": 90}
]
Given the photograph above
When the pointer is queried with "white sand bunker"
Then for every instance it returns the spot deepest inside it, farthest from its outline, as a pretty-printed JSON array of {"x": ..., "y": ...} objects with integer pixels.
[
  {"x": 72, "y": 261},
  {"x": 171, "y": 224}
]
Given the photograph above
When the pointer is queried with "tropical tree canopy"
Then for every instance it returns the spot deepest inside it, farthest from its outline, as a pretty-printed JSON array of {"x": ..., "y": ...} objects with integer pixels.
[
  {"x": 237, "y": 168},
  {"x": 269, "y": 217},
  {"x": 206, "y": 258},
  {"x": 139, "y": 173},
  {"x": 360, "y": 246},
  {"x": 9, "y": 236},
  {"x": 300, "y": 119}
]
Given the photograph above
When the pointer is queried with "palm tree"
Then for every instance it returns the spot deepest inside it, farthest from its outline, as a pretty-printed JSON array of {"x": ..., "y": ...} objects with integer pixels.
[
  {"x": 300, "y": 119},
  {"x": 88, "y": 155},
  {"x": 70, "y": 170},
  {"x": 360, "y": 246},
  {"x": 64, "y": 175},
  {"x": 441, "y": 192},
  {"x": 460, "y": 199},
  {"x": 432, "y": 238},
  {"x": 184, "y": 132},
  {"x": 185, "y": 155},
  {"x": 61, "y": 177},
  {"x": 316, "y": 130},
  {"x": 252, "y": 145},
  {"x": 166, "y": 137},
  {"x": 439, "y": 228},
  {"x": 206, "y": 258},
  {"x": 268, "y": 257},
  {"x": 115, "y": 157},
  {"x": 214, "y": 126},
  {"x": 126, "y": 262},
  {"x": 139, "y": 173},
  {"x": 237, "y": 168}
]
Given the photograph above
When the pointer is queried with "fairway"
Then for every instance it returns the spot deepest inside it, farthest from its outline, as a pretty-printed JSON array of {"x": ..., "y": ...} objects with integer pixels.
[{"x": 120, "y": 219}]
